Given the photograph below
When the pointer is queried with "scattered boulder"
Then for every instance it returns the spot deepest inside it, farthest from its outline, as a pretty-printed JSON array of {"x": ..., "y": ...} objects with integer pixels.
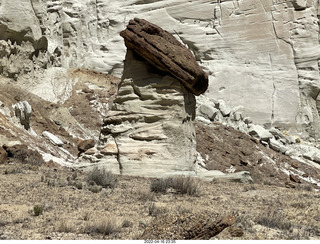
[
  {"x": 277, "y": 146},
  {"x": 299, "y": 4},
  {"x": 91, "y": 151},
  {"x": 209, "y": 111},
  {"x": 259, "y": 133},
  {"x": 210, "y": 229},
  {"x": 294, "y": 178},
  {"x": 110, "y": 149},
  {"x": 242, "y": 176},
  {"x": 163, "y": 51},
  {"x": 236, "y": 231},
  {"x": 52, "y": 138},
  {"x": 295, "y": 165},
  {"x": 85, "y": 145},
  {"x": 23, "y": 112},
  {"x": 224, "y": 109},
  {"x": 289, "y": 184}
]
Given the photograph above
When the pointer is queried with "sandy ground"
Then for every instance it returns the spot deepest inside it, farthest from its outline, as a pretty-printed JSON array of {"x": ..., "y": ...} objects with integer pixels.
[{"x": 131, "y": 211}]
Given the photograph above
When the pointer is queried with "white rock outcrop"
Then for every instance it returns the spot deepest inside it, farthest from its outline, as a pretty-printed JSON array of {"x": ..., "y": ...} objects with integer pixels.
[
  {"x": 262, "y": 55},
  {"x": 149, "y": 130},
  {"x": 23, "y": 111},
  {"x": 52, "y": 138}
]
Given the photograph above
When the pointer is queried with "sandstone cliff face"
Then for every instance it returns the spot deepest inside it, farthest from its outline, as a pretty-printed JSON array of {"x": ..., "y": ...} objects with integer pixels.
[{"x": 260, "y": 54}]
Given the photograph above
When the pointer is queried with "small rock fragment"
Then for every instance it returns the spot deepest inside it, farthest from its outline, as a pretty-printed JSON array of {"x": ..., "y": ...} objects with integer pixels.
[
  {"x": 259, "y": 133},
  {"x": 294, "y": 178},
  {"x": 91, "y": 151},
  {"x": 85, "y": 145},
  {"x": 52, "y": 138},
  {"x": 110, "y": 149}
]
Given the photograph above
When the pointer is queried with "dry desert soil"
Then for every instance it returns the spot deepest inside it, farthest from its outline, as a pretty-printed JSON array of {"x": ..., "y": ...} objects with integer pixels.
[{"x": 48, "y": 201}]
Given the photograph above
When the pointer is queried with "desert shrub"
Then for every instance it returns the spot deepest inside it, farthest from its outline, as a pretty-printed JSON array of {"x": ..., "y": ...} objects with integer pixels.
[
  {"x": 159, "y": 185},
  {"x": 79, "y": 185},
  {"x": 37, "y": 210},
  {"x": 273, "y": 219},
  {"x": 155, "y": 210},
  {"x": 26, "y": 156},
  {"x": 65, "y": 226},
  {"x": 126, "y": 223},
  {"x": 95, "y": 188},
  {"x": 145, "y": 195},
  {"x": 184, "y": 185},
  {"x": 15, "y": 170},
  {"x": 102, "y": 178},
  {"x": 181, "y": 184},
  {"x": 300, "y": 205},
  {"x": 106, "y": 227},
  {"x": 86, "y": 216}
]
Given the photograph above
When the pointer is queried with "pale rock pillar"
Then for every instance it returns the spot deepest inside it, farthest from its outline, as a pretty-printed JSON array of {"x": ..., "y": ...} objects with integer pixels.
[{"x": 149, "y": 127}]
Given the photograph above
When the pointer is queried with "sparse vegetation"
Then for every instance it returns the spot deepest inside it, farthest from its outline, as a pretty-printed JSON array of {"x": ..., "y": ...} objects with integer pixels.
[
  {"x": 126, "y": 223},
  {"x": 65, "y": 226},
  {"x": 79, "y": 185},
  {"x": 14, "y": 170},
  {"x": 95, "y": 188},
  {"x": 181, "y": 184},
  {"x": 159, "y": 185},
  {"x": 106, "y": 226},
  {"x": 102, "y": 178},
  {"x": 37, "y": 210},
  {"x": 145, "y": 195},
  {"x": 273, "y": 219},
  {"x": 155, "y": 210}
]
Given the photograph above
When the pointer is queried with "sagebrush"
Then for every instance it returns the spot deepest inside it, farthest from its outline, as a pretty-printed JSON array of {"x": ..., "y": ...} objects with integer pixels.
[
  {"x": 181, "y": 184},
  {"x": 103, "y": 178}
]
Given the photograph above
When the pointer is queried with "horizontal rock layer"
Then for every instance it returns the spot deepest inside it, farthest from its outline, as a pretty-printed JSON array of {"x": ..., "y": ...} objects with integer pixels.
[
  {"x": 262, "y": 55},
  {"x": 149, "y": 129}
]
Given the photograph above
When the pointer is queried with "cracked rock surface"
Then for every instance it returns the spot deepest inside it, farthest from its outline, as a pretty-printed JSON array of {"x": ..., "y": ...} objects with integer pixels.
[
  {"x": 149, "y": 129},
  {"x": 162, "y": 50},
  {"x": 262, "y": 54}
]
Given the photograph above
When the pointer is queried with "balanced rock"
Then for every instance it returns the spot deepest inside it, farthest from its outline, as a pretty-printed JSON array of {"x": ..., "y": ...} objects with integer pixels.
[
  {"x": 166, "y": 53},
  {"x": 149, "y": 130}
]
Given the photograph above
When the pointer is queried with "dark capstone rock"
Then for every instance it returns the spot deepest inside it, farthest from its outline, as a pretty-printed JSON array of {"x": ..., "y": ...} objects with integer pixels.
[{"x": 166, "y": 53}]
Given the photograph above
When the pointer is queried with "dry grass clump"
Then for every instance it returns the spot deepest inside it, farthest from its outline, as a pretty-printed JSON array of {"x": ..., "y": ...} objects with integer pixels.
[
  {"x": 273, "y": 219},
  {"x": 145, "y": 195},
  {"x": 181, "y": 184},
  {"x": 155, "y": 210},
  {"x": 65, "y": 226},
  {"x": 102, "y": 178},
  {"x": 106, "y": 226}
]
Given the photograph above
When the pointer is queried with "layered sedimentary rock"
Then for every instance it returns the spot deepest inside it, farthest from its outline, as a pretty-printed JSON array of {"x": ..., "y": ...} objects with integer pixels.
[
  {"x": 166, "y": 53},
  {"x": 262, "y": 55},
  {"x": 149, "y": 130}
]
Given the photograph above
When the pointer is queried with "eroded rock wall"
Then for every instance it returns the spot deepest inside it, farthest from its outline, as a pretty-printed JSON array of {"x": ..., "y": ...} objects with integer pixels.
[
  {"x": 261, "y": 54},
  {"x": 149, "y": 131}
]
